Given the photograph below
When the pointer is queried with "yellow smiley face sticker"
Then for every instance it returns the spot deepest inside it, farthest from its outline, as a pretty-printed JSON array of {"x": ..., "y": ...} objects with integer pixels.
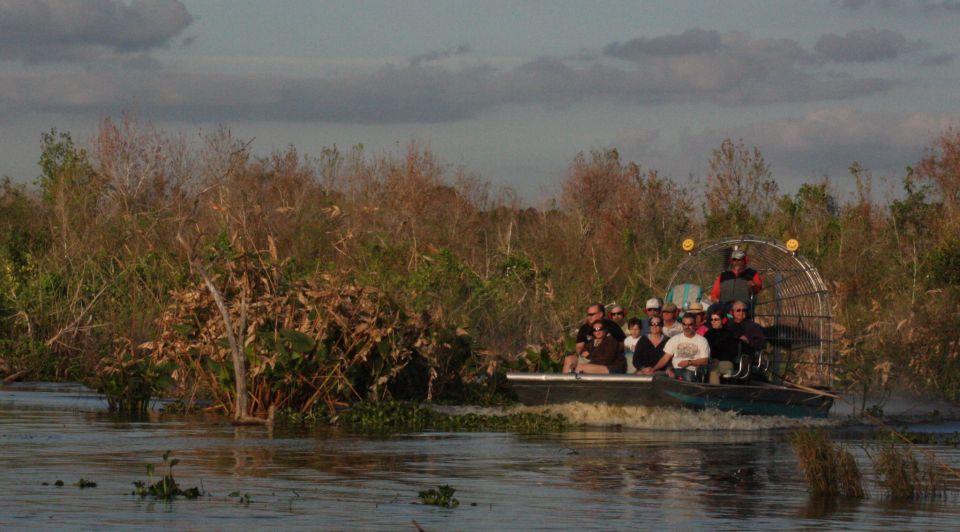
[
  {"x": 793, "y": 245},
  {"x": 687, "y": 245}
]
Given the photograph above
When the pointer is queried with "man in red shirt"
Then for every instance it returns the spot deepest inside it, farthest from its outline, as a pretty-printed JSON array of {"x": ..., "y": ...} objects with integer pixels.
[{"x": 737, "y": 283}]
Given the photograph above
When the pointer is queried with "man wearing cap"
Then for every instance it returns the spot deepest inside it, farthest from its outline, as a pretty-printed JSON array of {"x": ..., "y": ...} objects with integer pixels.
[
  {"x": 585, "y": 335},
  {"x": 737, "y": 283},
  {"x": 671, "y": 327},
  {"x": 652, "y": 309}
]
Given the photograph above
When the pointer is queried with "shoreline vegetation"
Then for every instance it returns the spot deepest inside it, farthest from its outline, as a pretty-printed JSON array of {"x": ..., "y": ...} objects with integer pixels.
[{"x": 144, "y": 266}]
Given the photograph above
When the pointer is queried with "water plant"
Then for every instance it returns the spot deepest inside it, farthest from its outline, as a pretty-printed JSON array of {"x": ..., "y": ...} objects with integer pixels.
[
  {"x": 440, "y": 496},
  {"x": 398, "y": 416},
  {"x": 166, "y": 488},
  {"x": 130, "y": 380},
  {"x": 902, "y": 476},
  {"x": 828, "y": 469},
  {"x": 84, "y": 483}
]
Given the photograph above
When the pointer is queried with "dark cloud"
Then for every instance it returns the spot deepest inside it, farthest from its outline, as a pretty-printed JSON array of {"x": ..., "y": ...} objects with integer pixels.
[
  {"x": 862, "y": 46},
  {"x": 739, "y": 71},
  {"x": 691, "y": 41},
  {"x": 943, "y": 59},
  {"x": 437, "y": 55},
  {"x": 69, "y": 30}
]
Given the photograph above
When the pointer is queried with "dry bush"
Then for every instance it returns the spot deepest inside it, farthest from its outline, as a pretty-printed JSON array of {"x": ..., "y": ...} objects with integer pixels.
[{"x": 309, "y": 342}]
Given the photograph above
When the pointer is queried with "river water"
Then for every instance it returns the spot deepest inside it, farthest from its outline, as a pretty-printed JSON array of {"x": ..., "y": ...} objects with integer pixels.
[{"x": 623, "y": 469}]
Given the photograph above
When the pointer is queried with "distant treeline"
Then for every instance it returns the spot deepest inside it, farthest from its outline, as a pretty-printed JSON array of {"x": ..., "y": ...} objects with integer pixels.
[{"x": 100, "y": 256}]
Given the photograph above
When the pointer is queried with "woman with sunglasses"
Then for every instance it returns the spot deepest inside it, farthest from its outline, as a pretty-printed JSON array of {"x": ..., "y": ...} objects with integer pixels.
[
  {"x": 649, "y": 348},
  {"x": 604, "y": 353},
  {"x": 723, "y": 346}
]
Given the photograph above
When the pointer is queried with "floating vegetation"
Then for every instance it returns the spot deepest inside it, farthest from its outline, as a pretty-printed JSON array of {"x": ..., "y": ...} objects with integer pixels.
[
  {"x": 396, "y": 416},
  {"x": 244, "y": 498},
  {"x": 58, "y": 483},
  {"x": 828, "y": 469},
  {"x": 166, "y": 488},
  {"x": 84, "y": 483},
  {"x": 441, "y": 496},
  {"x": 902, "y": 476}
]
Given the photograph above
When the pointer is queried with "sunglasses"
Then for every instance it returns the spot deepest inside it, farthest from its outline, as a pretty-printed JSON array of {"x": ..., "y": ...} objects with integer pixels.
[
  {"x": 652, "y": 324},
  {"x": 739, "y": 310},
  {"x": 617, "y": 313},
  {"x": 689, "y": 324},
  {"x": 598, "y": 330},
  {"x": 716, "y": 319}
]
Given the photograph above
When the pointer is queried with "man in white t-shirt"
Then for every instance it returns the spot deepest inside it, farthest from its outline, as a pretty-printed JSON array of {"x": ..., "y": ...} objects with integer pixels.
[{"x": 688, "y": 352}]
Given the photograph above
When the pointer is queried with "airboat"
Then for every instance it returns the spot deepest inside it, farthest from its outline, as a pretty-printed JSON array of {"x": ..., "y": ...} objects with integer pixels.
[{"x": 794, "y": 310}]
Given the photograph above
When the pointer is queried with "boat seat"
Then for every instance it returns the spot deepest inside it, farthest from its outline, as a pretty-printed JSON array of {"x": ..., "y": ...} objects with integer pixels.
[
  {"x": 682, "y": 295},
  {"x": 747, "y": 365}
]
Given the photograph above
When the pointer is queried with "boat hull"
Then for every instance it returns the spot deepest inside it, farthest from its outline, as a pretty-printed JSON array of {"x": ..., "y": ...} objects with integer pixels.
[{"x": 536, "y": 389}]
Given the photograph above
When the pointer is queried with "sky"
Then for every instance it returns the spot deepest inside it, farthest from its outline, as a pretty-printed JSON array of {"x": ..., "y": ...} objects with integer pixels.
[{"x": 509, "y": 91}]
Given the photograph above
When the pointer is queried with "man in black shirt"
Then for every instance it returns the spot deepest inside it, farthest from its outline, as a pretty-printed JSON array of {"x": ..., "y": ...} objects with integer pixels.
[{"x": 585, "y": 334}]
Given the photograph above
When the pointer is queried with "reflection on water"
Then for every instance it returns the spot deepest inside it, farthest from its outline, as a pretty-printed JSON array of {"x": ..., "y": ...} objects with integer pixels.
[{"x": 630, "y": 468}]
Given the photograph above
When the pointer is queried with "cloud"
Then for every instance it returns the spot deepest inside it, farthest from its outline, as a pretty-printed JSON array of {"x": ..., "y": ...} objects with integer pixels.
[
  {"x": 35, "y": 31},
  {"x": 827, "y": 141},
  {"x": 437, "y": 55},
  {"x": 694, "y": 40},
  {"x": 734, "y": 71},
  {"x": 863, "y": 46},
  {"x": 943, "y": 59}
]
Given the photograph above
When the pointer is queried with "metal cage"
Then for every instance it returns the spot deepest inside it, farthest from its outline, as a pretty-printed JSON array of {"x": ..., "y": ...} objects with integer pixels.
[{"x": 793, "y": 308}]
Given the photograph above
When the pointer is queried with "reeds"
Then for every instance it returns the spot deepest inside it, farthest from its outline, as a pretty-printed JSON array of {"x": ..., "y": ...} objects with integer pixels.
[
  {"x": 903, "y": 476},
  {"x": 829, "y": 470}
]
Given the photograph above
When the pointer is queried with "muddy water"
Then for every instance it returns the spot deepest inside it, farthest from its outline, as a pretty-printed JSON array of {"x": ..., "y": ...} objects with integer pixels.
[{"x": 628, "y": 469}]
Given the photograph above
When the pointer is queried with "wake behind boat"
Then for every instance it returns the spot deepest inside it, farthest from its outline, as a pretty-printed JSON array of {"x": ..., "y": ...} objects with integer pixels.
[{"x": 793, "y": 310}]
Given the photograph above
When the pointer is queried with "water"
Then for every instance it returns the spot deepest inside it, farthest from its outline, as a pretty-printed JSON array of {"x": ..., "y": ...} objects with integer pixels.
[{"x": 654, "y": 471}]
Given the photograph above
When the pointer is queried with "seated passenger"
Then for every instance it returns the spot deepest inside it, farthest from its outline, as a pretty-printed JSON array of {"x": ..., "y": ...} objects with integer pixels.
[
  {"x": 746, "y": 331},
  {"x": 630, "y": 343},
  {"x": 649, "y": 348},
  {"x": 585, "y": 335},
  {"x": 604, "y": 353},
  {"x": 671, "y": 327},
  {"x": 696, "y": 310},
  {"x": 686, "y": 355},
  {"x": 652, "y": 309},
  {"x": 723, "y": 347},
  {"x": 619, "y": 316}
]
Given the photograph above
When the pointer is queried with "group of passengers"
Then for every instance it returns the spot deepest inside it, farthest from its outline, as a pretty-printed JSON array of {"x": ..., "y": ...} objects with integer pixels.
[{"x": 691, "y": 346}]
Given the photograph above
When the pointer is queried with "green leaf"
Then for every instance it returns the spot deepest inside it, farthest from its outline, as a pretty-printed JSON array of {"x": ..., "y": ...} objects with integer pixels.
[
  {"x": 299, "y": 341},
  {"x": 183, "y": 328},
  {"x": 223, "y": 342}
]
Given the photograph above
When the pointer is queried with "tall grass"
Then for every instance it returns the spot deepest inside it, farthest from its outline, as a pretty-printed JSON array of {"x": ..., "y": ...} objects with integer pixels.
[{"x": 829, "y": 470}]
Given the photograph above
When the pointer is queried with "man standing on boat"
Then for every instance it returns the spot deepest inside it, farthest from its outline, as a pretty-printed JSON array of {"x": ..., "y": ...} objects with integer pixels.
[
  {"x": 686, "y": 355},
  {"x": 737, "y": 283},
  {"x": 585, "y": 335}
]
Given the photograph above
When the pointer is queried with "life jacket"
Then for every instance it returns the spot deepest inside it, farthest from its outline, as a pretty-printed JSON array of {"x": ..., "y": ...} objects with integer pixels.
[{"x": 734, "y": 287}]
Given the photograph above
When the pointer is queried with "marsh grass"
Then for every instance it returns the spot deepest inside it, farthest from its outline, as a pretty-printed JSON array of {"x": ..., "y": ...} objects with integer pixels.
[
  {"x": 829, "y": 469},
  {"x": 903, "y": 476}
]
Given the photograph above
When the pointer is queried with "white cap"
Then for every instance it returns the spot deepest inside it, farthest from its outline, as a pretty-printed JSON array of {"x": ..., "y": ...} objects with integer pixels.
[{"x": 653, "y": 303}]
